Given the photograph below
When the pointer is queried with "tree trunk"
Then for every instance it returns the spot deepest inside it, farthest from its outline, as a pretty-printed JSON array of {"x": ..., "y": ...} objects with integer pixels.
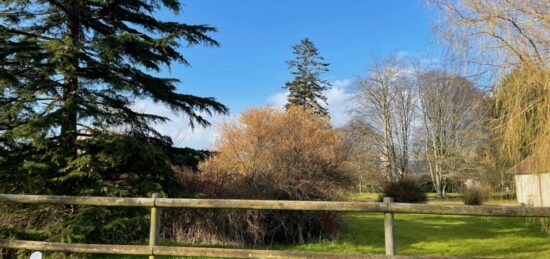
[
  {"x": 440, "y": 186},
  {"x": 69, "y": 119},
  {"x": 361, "y": 184}
]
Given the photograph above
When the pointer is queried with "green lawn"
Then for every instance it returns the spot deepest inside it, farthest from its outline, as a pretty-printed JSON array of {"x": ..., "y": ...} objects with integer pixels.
[
  {"x": 440, "y": 235},
  {"x": 435, "y": 235}
]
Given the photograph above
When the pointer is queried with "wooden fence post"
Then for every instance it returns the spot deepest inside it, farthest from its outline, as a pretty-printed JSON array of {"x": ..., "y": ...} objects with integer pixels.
[
  {"x": 389, "y": 233},
  {"x": 154, "y": 229}
]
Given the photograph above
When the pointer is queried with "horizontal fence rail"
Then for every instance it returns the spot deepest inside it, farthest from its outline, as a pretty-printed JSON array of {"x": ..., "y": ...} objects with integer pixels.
[
  {"x": 387, "y": 207},
  {"x": 183, "y": 251},
  {"x": 500, "y": 211}
]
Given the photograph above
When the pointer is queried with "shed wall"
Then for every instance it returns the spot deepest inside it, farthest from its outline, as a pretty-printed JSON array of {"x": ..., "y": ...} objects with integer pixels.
[{"x": 533, "y": 189}]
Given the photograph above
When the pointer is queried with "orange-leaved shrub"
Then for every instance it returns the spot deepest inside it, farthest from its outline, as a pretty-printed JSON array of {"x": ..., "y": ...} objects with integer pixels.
[{"x": 269, "y": 153}]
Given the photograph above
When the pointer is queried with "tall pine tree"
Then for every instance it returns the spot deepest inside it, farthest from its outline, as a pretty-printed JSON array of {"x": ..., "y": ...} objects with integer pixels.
[
  {"x": 70, "y": 71},
  {"x": 306, "y": 89}
]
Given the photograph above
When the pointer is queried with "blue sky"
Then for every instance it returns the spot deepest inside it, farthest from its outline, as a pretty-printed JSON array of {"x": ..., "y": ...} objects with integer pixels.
[{"x": 256, "y": 36}]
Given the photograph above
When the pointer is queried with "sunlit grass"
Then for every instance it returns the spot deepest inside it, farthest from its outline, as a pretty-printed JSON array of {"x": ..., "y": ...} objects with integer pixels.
[
  {"x": 433, "y": 235},
  {"x": 440, "y": 235}
]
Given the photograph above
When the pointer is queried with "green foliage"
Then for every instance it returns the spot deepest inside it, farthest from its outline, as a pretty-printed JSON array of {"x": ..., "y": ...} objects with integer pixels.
[
  {"x": 70, "y": 71},
  {"x": 108, "y": 165},
  {"x": 73, "y": 68},
  {"x": 307, "y": 88},
  {"x": 189, "y": 157},
  {"x": 404, "y": 190},
  {"x": 107, "y": 225}
]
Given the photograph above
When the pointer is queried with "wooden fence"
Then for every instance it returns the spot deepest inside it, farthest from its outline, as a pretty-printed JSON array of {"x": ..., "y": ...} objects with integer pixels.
[{"x": 156, "y": 203}]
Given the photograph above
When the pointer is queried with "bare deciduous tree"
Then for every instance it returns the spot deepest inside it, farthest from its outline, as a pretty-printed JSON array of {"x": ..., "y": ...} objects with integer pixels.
[
  {"x": 405, "y": 113},
  {"x": 452, "y": 125},
  {"x": 507, "y": 31},
  {"x": 385, "y": 100},
  {"x": 364, "y": 158}
]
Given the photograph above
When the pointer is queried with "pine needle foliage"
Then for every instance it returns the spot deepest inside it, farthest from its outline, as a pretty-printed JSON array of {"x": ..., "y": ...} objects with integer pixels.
[
  {"x": 306, "y": 89},
  {"x": 70, "y": 71}
]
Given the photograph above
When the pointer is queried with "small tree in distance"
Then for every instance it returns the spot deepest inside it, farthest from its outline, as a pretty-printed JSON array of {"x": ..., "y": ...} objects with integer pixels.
[{"x": 306, "y": 89}]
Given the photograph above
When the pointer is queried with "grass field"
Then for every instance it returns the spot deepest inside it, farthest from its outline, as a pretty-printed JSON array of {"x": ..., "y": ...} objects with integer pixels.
[
  {"x": 440, "y": 235},
  {"x": 435, "y": 235}
]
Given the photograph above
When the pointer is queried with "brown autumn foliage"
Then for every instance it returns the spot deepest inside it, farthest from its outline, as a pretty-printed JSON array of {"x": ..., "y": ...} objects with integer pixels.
[{"x": 270, "y": 154}]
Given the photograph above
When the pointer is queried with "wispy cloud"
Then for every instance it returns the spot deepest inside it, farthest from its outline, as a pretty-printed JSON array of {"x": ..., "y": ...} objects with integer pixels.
[{"x": 278, "y": 100}]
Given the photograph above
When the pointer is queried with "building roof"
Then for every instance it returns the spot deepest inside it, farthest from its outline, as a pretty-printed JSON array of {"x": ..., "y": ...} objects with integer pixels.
[{"x": 529, "y": 165}]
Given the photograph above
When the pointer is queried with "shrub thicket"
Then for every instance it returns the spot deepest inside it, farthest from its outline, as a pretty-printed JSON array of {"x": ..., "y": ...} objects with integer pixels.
[
  {"x": 133, "y": 167},
  {"x": 269, "y": 154},
  {"x": 472, "y": 196},
  {"x": 404, "y": 190}
]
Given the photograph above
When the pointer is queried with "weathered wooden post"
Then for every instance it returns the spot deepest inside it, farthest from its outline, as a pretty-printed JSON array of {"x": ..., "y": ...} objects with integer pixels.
[
  {"x": 154, "y": 229},
  {"x": 389, "y": 233}
]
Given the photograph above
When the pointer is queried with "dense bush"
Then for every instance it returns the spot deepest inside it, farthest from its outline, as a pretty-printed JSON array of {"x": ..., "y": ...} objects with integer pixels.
[
  {"x": 472, "y": 196},
  {"x": 109, "y": 165},
  {"x": 268, "y": 154},
  {"x": 404, "y": 190}
]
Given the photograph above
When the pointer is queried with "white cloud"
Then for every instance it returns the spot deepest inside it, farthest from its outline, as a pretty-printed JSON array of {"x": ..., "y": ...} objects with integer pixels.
[
  {"x": 339, "y": 102},
  {"x": 344, "y": 83},
  {"x": 339, "y": 97},
  {"x": 278, "y": 100},
  {"x": 178, "y": 128}
]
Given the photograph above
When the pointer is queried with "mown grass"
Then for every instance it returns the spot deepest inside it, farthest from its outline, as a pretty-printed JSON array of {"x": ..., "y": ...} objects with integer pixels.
[
  {"x": 433, "y": 235},
  {"x": 440, "y": 235}
]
